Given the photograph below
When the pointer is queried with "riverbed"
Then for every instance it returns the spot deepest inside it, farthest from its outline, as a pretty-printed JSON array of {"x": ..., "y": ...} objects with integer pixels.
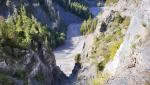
[{"x": 73, "y": 45}]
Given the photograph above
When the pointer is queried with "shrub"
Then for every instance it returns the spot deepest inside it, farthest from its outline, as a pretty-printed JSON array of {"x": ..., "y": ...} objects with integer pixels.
[
  {"x": 110, "y": 2},
  {"x": 5, "y": 80},
  {"x": 118, "y": 31},
  {"x": 78, "y": 58},
  {"x": 20, "y": 74},
  {"x": 108, "y": 51},
  {"x": 103, "y": 51},
  {"x": 109, "y": 38},
  {"x": 88, "y": 26},
  {"x": 126, "y": 21},
  {"x": 101, "y": 78},
  {"x": 108, "y": 42},
  {"x": 133, "y": 46},
  {"x": 137, "y": 36},
  {"x": 114, "y": 47},
  {"x": 118, "y": 19},
  {"x": 101, "y": 66},
  {"x": 39, "y": 77},
  {"x": 143, "y": 24}
]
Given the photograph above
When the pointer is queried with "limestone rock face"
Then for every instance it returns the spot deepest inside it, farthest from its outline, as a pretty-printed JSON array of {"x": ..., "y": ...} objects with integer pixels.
[{"x": 131, "y": 63}]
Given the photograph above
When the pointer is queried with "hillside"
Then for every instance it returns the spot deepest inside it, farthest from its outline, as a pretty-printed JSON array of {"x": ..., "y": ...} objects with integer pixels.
[
  {"x": 119, "y": 51},
  {"x": 74, "y": 42}
]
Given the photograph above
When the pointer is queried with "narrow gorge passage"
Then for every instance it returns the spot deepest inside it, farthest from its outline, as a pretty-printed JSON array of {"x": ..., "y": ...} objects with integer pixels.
[
  {"x": 73, "y": 45},
  {"x": 74, "y": 42}
]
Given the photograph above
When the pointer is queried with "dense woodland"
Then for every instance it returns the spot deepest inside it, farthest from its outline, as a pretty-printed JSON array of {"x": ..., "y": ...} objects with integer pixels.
[
  {"x": 77, "y": 7},
  {"x": 19, "y": 31}
]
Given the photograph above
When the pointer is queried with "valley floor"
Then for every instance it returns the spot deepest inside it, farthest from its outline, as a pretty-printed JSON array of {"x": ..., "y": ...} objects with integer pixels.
[{"x": 74, "y": 43}]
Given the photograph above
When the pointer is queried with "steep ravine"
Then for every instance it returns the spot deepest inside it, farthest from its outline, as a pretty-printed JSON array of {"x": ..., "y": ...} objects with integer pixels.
[
  {"x": 38, "y": 66},
  {"x": 65, "y": 55},
  {"x": 117, "y": 53}
]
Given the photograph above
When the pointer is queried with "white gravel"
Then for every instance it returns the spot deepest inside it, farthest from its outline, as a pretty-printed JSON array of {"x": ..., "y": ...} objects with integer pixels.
[{"x": 65, "y": 54}]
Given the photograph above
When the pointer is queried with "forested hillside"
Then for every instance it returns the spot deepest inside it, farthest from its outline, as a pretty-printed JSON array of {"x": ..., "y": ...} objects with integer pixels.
[
  {"x": 26, "y": 44},
  {"x": 78, "y": 7}
]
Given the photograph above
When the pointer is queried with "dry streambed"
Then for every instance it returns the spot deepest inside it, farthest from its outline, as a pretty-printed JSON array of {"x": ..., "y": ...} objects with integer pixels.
[{"x": 73, "y": 45}]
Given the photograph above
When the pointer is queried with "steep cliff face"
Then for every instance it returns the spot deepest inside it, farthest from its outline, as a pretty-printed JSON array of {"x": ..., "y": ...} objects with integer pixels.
[
  {"x": 131, "y": 63},
  {"x": 126, "y": 62},
  {"x": 35, "y": 67}
]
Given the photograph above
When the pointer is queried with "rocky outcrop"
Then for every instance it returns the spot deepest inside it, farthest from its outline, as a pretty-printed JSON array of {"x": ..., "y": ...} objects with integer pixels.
[
  {"x": 131, "y": 63},
  {"x": 36, "y": 67}
]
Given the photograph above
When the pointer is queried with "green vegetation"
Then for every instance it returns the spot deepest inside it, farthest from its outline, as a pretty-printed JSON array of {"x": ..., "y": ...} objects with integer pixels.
[
  {"x": 78, "y": 7},
  {"x": 18, "y": 32},
  {"x": 126, "y": 21},
  {"x": 88, "y": 26},
  {"x": 107, "y": 44},
  {"x": 110, "y": 2},
  {"x": 20, "y": 74},
  {"x": 100, "y": 78},
  {"x": 56, "y": 39},
  {"x": 119, "y": 20},
  {"x": 78, "y": 58},
  {"x": 133, "y": 46},
  {"x": 39, "y": 77},
  {"x": 7, "y": 77},
  {"x": 5, "y": 80},
  {"x": 109, "y": 38},
  {"x": 114, "y": 47},
  {"x": 137, "y": 36},
  {"x": 144, "y": 24},
  {"x": 108, "y": 50},
  {"x": 101, "y": 66}
]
